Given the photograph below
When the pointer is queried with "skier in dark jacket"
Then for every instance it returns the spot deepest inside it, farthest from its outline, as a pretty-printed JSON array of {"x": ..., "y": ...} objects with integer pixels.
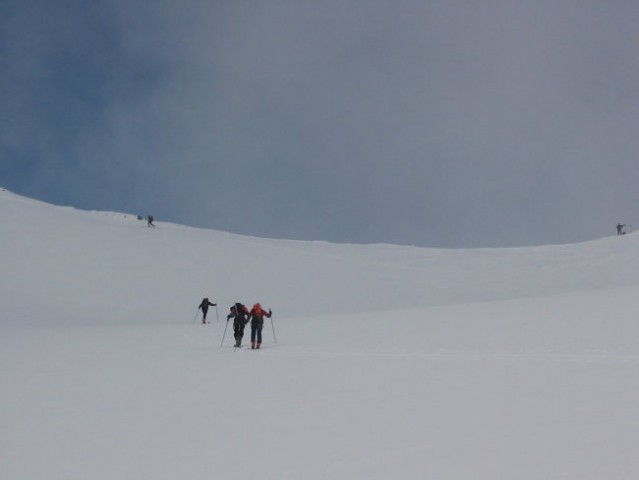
[
  {"x": 257, "y": 322},
  {"x": 205, "y": 308},
  {"x": 620, "y": 228},
  {"x": 239, "y": 314}
]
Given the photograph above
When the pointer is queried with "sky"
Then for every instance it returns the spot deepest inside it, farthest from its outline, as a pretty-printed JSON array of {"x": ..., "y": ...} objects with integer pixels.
[{"x": 429, "y": 123}]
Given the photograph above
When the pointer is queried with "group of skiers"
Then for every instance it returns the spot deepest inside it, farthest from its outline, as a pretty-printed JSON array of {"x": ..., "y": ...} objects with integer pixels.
[{"x": 241, "y": 316}]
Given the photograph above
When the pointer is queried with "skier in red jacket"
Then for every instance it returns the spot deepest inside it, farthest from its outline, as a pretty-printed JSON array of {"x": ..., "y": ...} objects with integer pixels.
[{"x": 256, "y": 316}]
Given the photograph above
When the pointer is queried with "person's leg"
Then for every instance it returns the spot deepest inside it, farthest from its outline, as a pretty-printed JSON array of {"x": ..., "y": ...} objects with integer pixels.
[
  {"x": 253, "y": 334},
  {"x": 236, "y": 333},
  {"x": 259, "y": 335}
]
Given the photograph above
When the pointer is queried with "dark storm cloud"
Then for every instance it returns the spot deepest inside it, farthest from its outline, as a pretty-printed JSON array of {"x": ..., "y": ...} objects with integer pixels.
[{"x": 430, "y": 123}]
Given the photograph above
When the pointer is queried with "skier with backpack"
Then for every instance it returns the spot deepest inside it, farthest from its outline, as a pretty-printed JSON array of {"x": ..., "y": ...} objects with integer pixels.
[
  {"x": 204, "y": 306},
  {"x": 257, "y": 323},
  {"x": 239, "y": 313}
]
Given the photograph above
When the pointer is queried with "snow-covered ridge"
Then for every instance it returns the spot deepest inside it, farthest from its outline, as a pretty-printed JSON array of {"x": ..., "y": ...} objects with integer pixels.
[{"x": 62, "y": 260}]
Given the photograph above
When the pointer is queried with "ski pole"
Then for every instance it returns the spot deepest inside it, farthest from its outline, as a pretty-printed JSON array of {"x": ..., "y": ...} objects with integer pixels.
[
  {"x": 273, "y": 327},
  {"x": 196, "y": 312},
  {"x": 227, "y": 326},
  {"x": 216, "y": 314}
]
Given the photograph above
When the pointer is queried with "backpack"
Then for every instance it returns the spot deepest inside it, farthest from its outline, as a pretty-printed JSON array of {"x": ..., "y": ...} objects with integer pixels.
[{"x": 240, "y": 312}]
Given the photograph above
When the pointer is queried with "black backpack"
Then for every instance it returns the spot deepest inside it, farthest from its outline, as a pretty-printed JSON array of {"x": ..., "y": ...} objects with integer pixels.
[{"x": 240, "y": 312}]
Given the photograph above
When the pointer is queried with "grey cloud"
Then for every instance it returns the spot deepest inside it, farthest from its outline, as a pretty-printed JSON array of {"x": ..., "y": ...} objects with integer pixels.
[{"x": 429, "y": 123}]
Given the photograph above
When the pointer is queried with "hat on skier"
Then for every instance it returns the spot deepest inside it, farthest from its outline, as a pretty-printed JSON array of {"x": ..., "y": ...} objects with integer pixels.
[{"x": 257, "y": 306}]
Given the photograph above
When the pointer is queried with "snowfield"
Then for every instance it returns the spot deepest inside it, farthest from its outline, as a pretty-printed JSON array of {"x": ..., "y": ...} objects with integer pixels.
[{"x": 390, "y": 361}]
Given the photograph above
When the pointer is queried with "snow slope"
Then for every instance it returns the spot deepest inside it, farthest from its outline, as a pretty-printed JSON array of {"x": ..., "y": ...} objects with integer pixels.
[{"x": 390, "y": 361}]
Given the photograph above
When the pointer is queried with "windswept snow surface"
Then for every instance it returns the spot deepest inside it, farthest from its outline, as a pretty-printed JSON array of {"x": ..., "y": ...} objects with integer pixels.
[{"x": 390, "y": 361}]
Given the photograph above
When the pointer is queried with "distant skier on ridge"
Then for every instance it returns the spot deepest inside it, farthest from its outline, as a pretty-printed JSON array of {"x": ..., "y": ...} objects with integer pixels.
[{"x": 620, "y": 229}]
